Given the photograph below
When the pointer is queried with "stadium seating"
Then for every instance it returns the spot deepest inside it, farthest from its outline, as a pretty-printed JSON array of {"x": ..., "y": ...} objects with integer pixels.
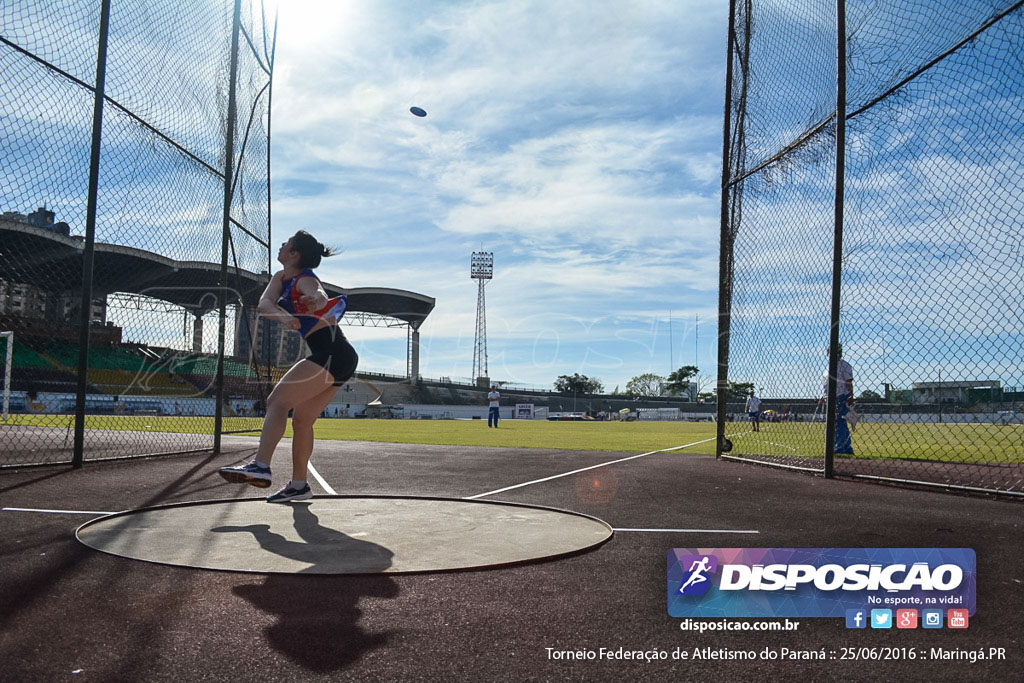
[
  {"x": 25, "y": 357},
  {"x": 34, "y": 379},
  {"x": 122, "y": 382}
]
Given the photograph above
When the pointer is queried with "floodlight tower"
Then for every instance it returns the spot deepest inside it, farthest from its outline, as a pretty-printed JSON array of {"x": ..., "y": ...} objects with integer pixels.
[{"x": 481, "y": 269}]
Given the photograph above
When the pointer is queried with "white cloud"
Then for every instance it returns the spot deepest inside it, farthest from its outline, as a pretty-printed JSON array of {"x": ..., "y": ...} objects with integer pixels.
[{"x": 578, "y": 141}]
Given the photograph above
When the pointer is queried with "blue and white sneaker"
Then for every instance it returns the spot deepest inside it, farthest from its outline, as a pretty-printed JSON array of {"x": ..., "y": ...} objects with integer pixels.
[
  {"x": 288, "y": 494},
  {"x": 247, "y": 474}
]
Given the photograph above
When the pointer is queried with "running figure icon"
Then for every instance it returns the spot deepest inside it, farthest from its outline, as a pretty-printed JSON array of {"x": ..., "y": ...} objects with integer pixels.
[{"x": 696, "y": 570}]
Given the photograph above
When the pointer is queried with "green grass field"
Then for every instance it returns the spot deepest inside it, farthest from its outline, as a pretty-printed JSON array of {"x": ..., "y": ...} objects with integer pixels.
[
  {"x": 972, "y": 443},
  {"x": 631, "y": 437},
  {"x": 976, "y": 443}
]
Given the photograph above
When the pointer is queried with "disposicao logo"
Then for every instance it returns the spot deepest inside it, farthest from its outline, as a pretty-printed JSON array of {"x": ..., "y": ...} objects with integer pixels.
[
  {"x": 817, "y": 582},
  {"x": 696, "y": 580}
]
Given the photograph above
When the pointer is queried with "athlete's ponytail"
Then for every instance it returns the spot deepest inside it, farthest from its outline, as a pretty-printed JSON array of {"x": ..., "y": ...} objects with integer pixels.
[{"x": 310, "y": 249}]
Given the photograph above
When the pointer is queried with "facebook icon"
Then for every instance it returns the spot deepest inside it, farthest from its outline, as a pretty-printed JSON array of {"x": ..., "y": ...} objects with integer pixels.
[{"x": 856, "y": 618}]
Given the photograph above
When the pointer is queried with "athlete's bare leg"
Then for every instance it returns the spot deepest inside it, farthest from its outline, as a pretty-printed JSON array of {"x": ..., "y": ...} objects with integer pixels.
[
  {"x": 303, "y": 380},
  {"x": 306, "y": 413}
]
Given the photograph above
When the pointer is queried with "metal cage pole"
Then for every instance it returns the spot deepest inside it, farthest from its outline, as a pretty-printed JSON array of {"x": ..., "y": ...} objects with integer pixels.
[
  {"x": 88, "y": 252},
  {"x": 268, "y": 360},
  {"x": 229, "y": 160},
  {"x": 837, "y": 245},
  {"x": 270, "y": 99},
  {"x": 725, "y": 250}
]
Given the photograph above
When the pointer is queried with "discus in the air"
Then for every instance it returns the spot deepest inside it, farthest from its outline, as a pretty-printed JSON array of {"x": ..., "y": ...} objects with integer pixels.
[{"x": 418, "y": 112}]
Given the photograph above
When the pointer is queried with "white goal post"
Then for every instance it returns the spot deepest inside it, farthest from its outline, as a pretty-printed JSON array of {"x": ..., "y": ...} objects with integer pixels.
[{"x": 8, "y": 361}]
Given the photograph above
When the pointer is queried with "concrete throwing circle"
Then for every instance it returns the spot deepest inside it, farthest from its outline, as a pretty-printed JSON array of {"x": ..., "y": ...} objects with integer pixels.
[{"x": 344, "y": 534}]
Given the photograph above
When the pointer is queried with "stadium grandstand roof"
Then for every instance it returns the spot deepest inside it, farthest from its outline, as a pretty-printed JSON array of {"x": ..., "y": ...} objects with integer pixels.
[{"x": 52, "y": 261}]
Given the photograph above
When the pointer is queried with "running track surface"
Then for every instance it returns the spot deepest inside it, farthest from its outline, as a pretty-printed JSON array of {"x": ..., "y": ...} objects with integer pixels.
[{"x": 69, "y": 612}]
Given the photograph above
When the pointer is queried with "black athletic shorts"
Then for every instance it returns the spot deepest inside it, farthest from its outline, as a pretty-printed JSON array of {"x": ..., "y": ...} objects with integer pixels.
[{"x": 330, "y": 350}]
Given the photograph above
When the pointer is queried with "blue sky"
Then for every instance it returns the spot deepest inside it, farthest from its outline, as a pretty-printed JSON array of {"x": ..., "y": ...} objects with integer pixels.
[
  {"x": 932, "y": 237},
  {"x": 578, "y": 141}
]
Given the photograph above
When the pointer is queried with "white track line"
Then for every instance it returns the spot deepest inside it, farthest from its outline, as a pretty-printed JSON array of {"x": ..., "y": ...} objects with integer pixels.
[
  {"x": 694, "y": 531},
  {"x": 58, "y": 512},
  {"x": 584, "y": 469},
  {"x": 320, "y": 480}
]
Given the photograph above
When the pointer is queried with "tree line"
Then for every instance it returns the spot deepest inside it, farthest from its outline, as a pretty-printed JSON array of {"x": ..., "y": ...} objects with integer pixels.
[
  {"x": 650, "y": 385},
  {"x": 686, "y": 380}
]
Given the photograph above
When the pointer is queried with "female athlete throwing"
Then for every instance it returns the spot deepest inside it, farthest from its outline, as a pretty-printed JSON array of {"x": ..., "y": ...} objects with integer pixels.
[{"x": 296, "y": 299}]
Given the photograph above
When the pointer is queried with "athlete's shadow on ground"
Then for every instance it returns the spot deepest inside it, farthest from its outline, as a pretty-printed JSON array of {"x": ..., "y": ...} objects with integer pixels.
[{"x": 318, "y": 616}]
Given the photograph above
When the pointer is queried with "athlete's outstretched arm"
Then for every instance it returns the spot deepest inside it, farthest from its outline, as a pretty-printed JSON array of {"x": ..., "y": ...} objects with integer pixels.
[{"x": 268, "y": 303}]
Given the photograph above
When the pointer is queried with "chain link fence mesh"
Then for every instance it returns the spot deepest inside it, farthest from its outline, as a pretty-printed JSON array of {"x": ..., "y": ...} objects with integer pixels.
[
  {"x": 932, "y": 238},
  {"x": 156, "y": 282}
]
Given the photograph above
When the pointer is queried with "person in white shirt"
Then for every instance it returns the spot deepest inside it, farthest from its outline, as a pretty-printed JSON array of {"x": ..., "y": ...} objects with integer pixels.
[
  {"x": 754, "y": 411},
  {"x": 844, "y": 403},
  {"x": 493, "y": 399}
]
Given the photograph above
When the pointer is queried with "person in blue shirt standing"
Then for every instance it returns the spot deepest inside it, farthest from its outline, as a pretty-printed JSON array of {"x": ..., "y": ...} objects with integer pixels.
[
  {"x": 754, "y": 411},
  {"x": 493, "y": 401},
  {"x": 844, "y": 403}
]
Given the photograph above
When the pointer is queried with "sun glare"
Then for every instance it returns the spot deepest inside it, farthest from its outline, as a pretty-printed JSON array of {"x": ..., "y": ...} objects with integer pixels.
[{"x": 307, "y": 22}]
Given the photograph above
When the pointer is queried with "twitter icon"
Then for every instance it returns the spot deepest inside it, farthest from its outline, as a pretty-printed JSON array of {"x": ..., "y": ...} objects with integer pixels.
[{"x": 881, "y": 618}]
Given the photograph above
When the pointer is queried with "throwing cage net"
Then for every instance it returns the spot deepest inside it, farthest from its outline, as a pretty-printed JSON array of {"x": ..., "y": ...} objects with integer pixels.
[
  {"x": 927, "y": 216},
  {"x": 135, "y": 226}
]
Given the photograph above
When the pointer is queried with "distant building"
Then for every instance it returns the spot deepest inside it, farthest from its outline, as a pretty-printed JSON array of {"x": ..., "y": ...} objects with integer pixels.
[
  {"x": 953, "y": 392},
  {"x": 26, "y": 301},
  {"x": 40, "y": 218},
  {"x": 687, "y": 394},
  {"x": 273, "y": 343},
  {"x": 19, "y": 300}
]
